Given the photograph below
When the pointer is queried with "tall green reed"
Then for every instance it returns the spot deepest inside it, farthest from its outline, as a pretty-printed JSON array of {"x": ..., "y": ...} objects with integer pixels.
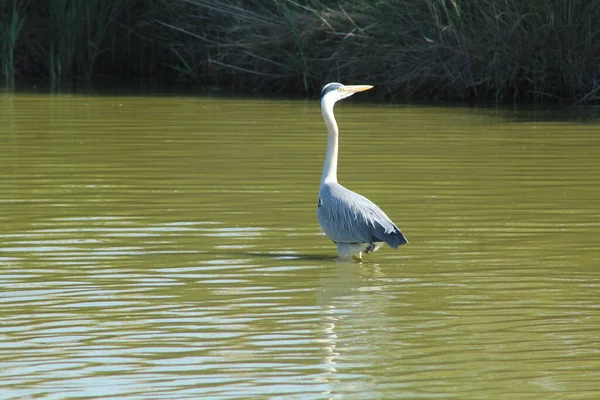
[
  {"x": 10, "y": 31},
  {"x": 79, "y": 29}
]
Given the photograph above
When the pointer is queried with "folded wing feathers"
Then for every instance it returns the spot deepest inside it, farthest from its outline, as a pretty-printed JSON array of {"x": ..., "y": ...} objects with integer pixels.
[{"x": 365, "y": 220}]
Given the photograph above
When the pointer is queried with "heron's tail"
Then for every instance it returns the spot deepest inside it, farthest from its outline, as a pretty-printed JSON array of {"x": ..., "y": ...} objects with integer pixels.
[{"x": 394, "y": 239}]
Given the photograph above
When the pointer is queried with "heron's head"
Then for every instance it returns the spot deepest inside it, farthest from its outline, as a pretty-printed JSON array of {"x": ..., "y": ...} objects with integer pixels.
[{"x": 334, "y": 91}]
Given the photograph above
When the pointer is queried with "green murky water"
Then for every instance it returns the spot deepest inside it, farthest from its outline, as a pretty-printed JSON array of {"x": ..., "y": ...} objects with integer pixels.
[{"x": 168, "y": 247}]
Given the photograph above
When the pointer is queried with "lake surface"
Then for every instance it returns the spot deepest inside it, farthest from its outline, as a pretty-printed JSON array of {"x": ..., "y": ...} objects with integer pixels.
[{"x": 167, "y": 247}]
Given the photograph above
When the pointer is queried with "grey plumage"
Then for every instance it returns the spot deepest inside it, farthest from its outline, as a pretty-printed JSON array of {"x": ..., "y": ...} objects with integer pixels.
[
  {"x": 350, "y": 220},
  {"x": 348, "y": 217}
]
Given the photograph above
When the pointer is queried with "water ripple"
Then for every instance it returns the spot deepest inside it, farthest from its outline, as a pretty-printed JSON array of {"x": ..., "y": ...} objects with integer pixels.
[{"x": 168, "y": 247}]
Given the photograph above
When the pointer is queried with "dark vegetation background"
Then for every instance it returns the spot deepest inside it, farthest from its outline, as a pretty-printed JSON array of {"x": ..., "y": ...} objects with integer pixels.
[{"x": 502, "y": 50}]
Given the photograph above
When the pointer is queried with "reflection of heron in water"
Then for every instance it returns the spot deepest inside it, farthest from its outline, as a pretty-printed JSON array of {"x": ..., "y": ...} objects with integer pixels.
[{"x": 353, "y": 222}]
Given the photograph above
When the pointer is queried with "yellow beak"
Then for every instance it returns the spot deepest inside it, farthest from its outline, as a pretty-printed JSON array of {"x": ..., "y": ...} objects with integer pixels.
[{"x": 356, "y": 88}]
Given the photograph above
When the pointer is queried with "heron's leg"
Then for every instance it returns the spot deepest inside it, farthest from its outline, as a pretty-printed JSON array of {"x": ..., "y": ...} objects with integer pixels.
[{"x": 349, "y": 249}]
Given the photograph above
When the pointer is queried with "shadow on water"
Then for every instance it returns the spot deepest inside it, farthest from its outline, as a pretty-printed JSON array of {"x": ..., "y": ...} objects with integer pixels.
[
  {"x": 285, "y": 256},
  {"x": 304, "y": 257}
]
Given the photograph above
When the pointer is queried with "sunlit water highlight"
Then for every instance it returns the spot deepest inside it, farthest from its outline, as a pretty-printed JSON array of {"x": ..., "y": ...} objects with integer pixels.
[{"x": 168, "y": 247}]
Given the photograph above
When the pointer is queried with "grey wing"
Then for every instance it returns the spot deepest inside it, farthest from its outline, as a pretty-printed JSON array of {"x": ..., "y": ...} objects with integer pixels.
[{"x": 347, "y": 217}]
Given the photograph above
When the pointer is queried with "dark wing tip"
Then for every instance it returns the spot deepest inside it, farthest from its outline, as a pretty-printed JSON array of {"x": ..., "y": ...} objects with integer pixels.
[
  {"x": 399, "y": 239},
  {"x": 394, "y": 239}
]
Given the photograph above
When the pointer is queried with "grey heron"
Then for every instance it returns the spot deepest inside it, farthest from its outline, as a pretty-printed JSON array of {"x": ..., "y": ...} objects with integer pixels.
[{"x": 353, "y": 222}]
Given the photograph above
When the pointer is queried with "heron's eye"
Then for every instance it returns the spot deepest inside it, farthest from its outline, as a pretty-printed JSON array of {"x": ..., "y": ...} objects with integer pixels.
[{"x": 339, "y": 89}]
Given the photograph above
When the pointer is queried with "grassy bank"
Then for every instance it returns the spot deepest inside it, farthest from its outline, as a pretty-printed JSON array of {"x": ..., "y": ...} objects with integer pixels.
[{"x": 505, "y": 50}]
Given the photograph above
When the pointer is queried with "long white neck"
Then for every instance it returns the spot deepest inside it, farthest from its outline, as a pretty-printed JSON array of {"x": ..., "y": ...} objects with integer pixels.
[{"x": 331, "y": 157}]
